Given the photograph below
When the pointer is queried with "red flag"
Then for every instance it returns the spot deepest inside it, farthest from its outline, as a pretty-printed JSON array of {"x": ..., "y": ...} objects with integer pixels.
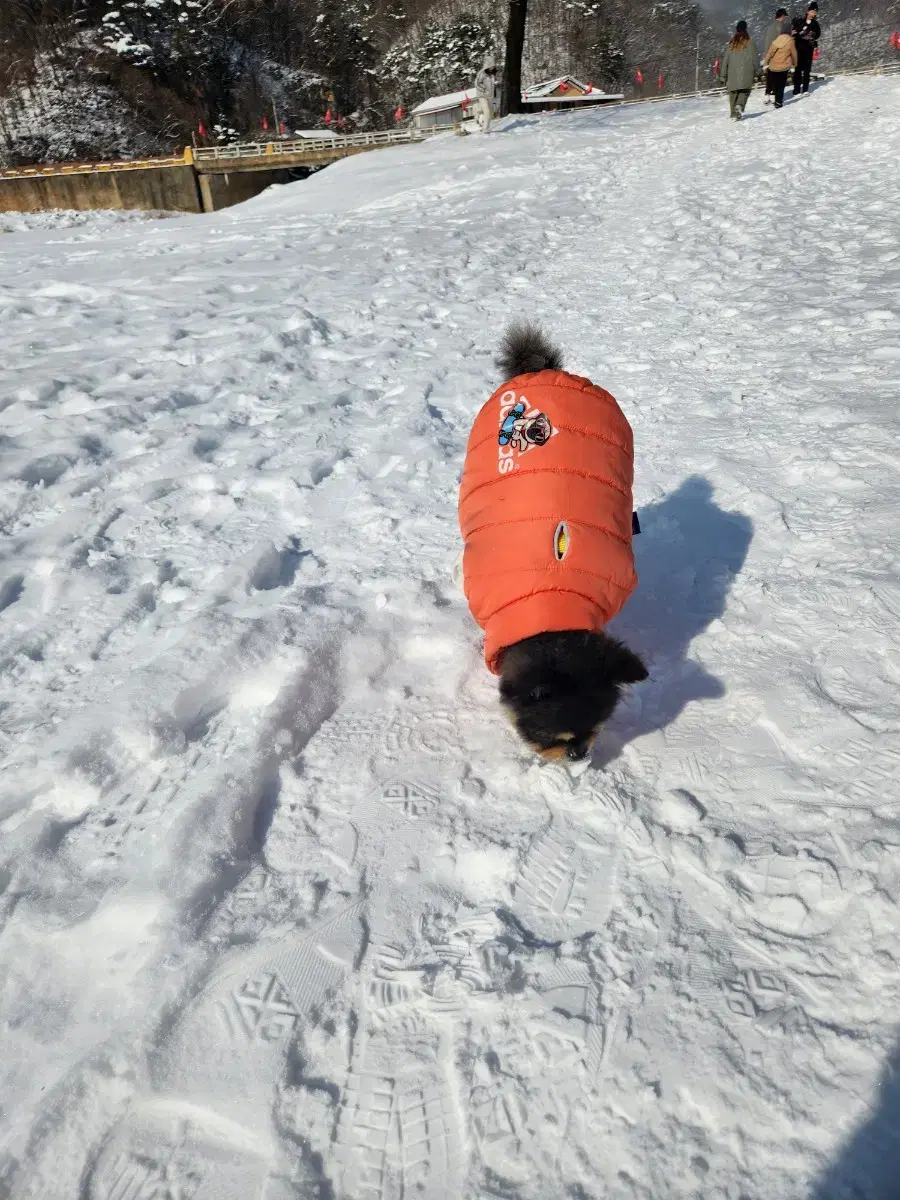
[
  {"x": 716, "y": 66},
  {"x": 816, "y": 52},
  {"x": 659, "y": 82},
  {"x": 465, "y": 104},
  {"x": 895, "y": 40},
  {"x": 563, "y": 87},
  {"x": 265, "y": 124},
  {"x": 281, "y": 128},
  {"x": 398, "y": 114},
  {"x": 639, "y": 77},
  {"x": 328, "y": 116},
  {"x": 588, "y": 89},
  {"x": 201, "y": 129}
]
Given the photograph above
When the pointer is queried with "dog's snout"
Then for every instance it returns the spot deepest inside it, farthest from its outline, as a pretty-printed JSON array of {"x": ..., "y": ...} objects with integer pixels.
[{"x": 576, "y": 753}]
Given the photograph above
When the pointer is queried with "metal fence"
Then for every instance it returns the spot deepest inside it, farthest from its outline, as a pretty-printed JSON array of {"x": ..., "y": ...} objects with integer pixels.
[{"x": 384, "y": 137}]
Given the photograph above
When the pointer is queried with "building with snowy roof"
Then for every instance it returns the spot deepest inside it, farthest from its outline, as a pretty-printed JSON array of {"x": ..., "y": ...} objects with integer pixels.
[
  {"x": 447, "y": 112},
  {"x": 443, "y": 112},
  {"x": 566, "y": 91}
]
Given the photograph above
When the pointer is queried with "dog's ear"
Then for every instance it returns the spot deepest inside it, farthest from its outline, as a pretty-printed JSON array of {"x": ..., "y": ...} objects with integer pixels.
[
  {"x": 630, "y": 667},
  {"x": 623, "y": 664}
]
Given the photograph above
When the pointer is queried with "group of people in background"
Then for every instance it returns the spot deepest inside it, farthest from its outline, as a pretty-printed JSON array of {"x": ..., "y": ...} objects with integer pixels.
[{"x": 788, "y": 47}]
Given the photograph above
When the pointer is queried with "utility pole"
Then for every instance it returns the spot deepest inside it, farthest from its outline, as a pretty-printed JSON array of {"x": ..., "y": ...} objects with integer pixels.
[{"x": 697, "y": 68}]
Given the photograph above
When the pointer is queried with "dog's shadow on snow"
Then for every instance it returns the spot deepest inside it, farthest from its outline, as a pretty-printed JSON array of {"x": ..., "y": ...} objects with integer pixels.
[
  {"x": 688, "y": 553},
  {"x": 868, "y": 1164}
]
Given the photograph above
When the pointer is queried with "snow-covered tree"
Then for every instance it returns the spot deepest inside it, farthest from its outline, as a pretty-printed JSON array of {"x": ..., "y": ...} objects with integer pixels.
[
  {"x": 181, "y": 45},
  {"x": 159, "y": 35},
  {"x": 444, "y": 59}
]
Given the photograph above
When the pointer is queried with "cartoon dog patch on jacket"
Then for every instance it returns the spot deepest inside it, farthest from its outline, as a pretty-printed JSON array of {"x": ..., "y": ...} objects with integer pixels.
[{"x": 522, "y": 432}]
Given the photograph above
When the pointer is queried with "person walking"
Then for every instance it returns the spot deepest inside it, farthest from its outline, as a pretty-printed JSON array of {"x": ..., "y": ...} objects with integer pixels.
[
  {"x": 806, "y": 34},
  {"x": 776, "y": 29},
  {"x": 485, "y": 84},
  {"x": 779, "y": 59},
  {"x": 739, "y": 68}
]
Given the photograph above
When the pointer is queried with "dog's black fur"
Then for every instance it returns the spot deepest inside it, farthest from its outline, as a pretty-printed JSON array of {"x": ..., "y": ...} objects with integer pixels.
[
  {"x": 525, "y": 348},
  {"x": 559, "y": 688}
]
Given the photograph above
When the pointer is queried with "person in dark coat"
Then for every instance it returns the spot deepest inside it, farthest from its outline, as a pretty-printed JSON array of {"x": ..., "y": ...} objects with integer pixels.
[
  {"x": 778, "y": 27},
  {"x": 739, "y": 70},
  {"x": 807, "y": 32}
]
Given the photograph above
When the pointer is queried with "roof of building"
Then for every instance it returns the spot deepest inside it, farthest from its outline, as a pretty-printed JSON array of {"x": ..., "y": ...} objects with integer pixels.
[
  {"x": 546, "y": 87},
  {"x": 575, "y": 98},
  {"x": 443, "y": 103}
]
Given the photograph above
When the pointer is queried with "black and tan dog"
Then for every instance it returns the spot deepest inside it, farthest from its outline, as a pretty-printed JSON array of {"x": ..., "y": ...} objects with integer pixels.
[{"x": 545, "y": 511}]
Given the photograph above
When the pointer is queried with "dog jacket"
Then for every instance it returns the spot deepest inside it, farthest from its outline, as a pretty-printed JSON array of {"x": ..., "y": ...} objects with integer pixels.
[{"x": 545, "y": 510}]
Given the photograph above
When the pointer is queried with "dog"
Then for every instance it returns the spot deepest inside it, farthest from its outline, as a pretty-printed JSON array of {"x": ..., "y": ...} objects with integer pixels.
[{"x": 546, "y": 516}]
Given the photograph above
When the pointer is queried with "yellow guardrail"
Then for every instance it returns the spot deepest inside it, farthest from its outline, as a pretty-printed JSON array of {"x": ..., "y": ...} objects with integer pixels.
[{"x": 125, "y": 164}]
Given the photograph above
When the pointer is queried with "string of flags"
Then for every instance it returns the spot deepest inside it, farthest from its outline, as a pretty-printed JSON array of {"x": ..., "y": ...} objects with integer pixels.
[{"x": 639, "y": 79}]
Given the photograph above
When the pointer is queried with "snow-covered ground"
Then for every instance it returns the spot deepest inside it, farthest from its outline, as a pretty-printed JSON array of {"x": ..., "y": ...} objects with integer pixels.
[
  {"x": 89, "y": 223},
  {"x": 288, "y": 910}
]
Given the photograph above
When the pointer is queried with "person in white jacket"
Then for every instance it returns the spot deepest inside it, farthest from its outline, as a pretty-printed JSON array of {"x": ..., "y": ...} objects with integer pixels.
[{"x": 485, "y": 83}]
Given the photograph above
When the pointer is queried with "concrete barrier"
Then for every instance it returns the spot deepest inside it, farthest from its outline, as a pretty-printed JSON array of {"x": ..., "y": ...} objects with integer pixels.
[
  {"x": 222, "y": 189},
  {"x": 175, "y": 185},
  {"x": 171, "y": 188}
]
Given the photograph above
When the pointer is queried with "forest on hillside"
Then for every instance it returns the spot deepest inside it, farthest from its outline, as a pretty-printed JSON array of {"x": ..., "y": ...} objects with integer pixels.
[{"x": 86, "y": 79}]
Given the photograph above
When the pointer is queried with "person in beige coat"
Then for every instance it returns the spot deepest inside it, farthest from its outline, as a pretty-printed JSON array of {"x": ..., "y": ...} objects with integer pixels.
[{"x": 780, "y": 59}]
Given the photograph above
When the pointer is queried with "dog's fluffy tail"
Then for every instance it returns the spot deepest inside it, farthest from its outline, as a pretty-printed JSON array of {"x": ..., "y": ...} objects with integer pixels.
[{"x": 525, "y": 348}]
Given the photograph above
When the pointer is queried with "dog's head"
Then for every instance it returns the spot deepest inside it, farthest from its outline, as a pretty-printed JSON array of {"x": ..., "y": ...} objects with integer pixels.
[
  {"x": 559, "y": 688},
  {"x": 537, "y": 432}
]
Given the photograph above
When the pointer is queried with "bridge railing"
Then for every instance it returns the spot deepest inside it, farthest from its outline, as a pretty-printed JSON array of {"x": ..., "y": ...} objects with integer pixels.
[
  {"x": 384, "y": 137},
  {"x": 91, "y": 168}
]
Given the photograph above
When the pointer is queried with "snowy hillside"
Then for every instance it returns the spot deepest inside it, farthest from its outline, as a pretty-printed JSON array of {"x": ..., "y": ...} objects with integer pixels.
[{"x": 288, "y": 910}]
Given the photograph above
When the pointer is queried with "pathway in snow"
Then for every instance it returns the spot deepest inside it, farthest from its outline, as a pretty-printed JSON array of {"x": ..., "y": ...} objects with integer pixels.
[{"x": 288, "y": 911}]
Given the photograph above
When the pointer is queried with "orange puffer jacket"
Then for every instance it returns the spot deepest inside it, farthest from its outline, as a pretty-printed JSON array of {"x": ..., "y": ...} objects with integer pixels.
[{"x": 545, "y": 510}]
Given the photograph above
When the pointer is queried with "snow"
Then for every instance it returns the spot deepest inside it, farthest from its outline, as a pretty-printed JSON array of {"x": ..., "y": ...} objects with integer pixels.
[
  {"x": 91, "y": 223},
  {"x": 288, "y": 910}
]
